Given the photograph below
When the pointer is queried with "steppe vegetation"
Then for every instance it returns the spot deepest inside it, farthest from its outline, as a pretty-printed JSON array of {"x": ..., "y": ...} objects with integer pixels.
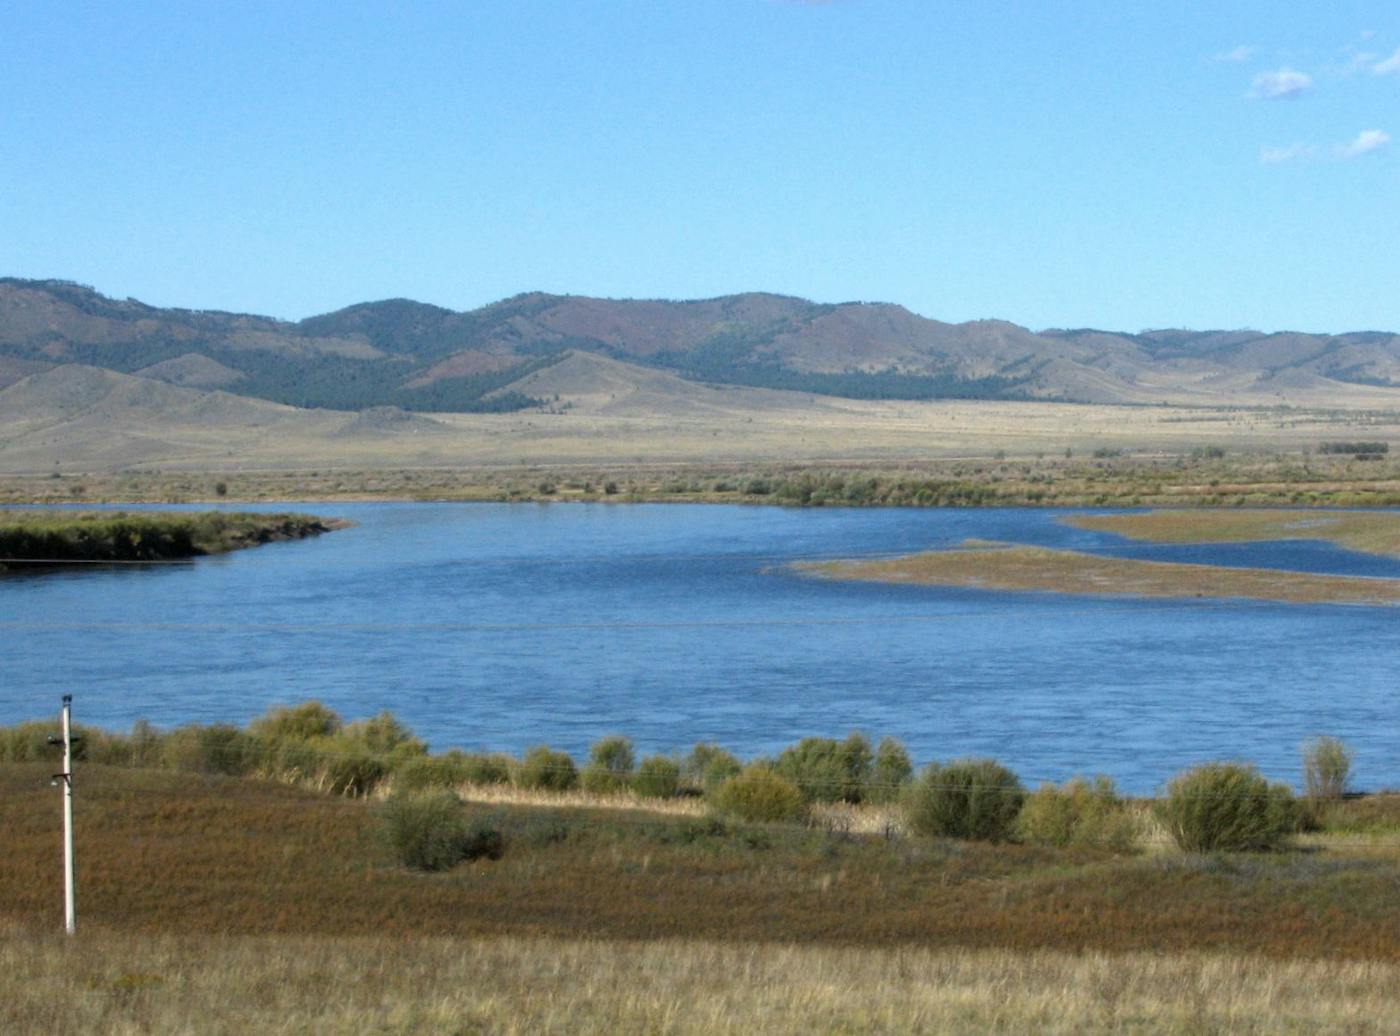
[{"x": 1115, "y": 478}]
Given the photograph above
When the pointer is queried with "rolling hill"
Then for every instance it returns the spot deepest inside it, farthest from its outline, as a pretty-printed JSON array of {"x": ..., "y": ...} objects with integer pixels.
[{"x": 503, "y": 357}]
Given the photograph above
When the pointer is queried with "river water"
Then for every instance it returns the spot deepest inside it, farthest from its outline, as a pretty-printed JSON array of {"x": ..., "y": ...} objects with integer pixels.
[{"x": 490, "y": 626}]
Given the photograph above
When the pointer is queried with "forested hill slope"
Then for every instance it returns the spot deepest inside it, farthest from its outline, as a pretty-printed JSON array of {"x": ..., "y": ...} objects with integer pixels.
[{"x": 423, "y": 357}]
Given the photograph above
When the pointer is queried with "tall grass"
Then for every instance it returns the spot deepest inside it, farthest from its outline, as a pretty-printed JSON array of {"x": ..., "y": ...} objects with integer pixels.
[{"x": 281, "y": 985}]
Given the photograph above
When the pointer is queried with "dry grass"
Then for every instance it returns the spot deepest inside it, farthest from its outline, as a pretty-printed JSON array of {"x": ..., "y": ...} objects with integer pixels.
[
  {"x": 509, "y": 795},
  {"x": 122, "y": 984},
  {"x": 1368, "y": 531},
  {"x": 1011, "y": 567}
]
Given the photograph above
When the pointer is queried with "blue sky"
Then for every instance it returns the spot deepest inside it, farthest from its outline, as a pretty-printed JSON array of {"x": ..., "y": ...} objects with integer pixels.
[{"x": 1111, "y": 164}]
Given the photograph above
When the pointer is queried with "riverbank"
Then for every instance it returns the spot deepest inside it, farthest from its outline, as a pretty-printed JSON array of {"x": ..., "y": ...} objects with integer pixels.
[{"x": 34, "y": 538}]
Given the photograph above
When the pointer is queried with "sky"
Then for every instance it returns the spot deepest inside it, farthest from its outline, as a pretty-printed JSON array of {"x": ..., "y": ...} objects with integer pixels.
[{"x": 1121, "y": 165}]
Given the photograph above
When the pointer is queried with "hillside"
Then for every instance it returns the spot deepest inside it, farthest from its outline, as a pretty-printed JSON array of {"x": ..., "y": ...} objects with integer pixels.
[{"x": 421, "y": 357}]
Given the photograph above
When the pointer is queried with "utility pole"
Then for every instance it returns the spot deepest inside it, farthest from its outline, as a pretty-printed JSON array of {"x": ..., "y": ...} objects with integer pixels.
[{"x": 70, "y": 913}]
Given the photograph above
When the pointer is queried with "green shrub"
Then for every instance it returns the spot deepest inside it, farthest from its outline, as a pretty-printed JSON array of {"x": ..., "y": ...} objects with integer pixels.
[
  {"x": 658, "y": 778},
  {"x": 976, "y": 799},
  {"x": 345, "y": 766},
  {"x": 29, "y": 742},
  {"x": 892, "y": 772},
  {"x": 546, "y": 770},
  {"x": 385, "y": 735},
  {"x": 708, "y": 766},
  {"x": 828, "y": 771},
  {"x": 431, "y": 832},
  {"x": 301, "y": 722},
  {"x": 1080, "y": 812},
  {"x": 448, "y": 770},
  {"x": 1227, "y": 807},
  {"x": 1326, "y": 769},
  {"x": 759, "y": 793},
  {"x": 219, "y": 748},
  {"x": 610, "y": 765}
]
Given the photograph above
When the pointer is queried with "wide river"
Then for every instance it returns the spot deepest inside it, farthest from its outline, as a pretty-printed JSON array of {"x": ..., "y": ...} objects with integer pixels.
[{"x": 502, "y": 626}]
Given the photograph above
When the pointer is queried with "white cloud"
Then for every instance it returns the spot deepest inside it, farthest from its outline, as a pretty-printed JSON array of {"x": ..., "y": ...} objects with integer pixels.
[
  {"x": 1389, "y": 67},
  {"x": 1286, "y": 82},
  {"x": 1366, "y": 141},
  {"x": 1293, "y": 152},
  {"x": 1238, "y": 56}
]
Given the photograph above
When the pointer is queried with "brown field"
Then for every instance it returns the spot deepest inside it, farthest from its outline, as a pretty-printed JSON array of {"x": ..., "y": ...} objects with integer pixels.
[
  {"x": 1370, "y": 532},
  {"x": 162, "y": 853},
  {"x": 1013, "y": 567}
]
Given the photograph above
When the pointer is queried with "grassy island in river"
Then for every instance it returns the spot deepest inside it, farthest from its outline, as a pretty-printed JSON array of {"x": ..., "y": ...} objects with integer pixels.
[
  {"x": 36, "y": 537},
  {"x": 996, "y": 566}
]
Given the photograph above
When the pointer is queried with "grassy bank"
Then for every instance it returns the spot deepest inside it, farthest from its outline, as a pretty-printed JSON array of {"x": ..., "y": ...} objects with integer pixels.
[
  {"x": 1206, "y": 478},
  {"x": 1015, "y": 567},
  {"x": 61, "y": 536},
  {"x": 119, "y": 983}
]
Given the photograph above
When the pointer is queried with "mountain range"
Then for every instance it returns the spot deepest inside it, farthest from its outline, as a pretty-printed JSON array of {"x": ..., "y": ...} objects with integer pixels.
[{"x": 516, "y": 353}]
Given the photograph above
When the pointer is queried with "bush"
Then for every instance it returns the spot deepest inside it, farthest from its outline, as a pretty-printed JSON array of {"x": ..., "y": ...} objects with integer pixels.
[
  {"x": 1081, "y": 812},
  {"x": 828, "y": 771},
  {"x": 431, "y": 832},
  {"x": 610, "y": 765},
  {"x": 976, "y": 799},
  {"x": 891, "y": 773},
  {"x": 708, "y": 766},
  {"x": 345, "y": 766},
  {"x": 546, "y": 770},
  {"x": 658, "y": 778},
  {"x": 385, "y": 735},
  {"x": 1227, "y": 807},
  {"x": 220, "y": 748},
  {"x": 1326, "y": 769},
  {"x": 297, "y": 723},
  {"x": 759, "y": 793}
]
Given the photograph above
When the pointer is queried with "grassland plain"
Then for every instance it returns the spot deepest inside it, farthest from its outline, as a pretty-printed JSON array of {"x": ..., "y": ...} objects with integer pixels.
[
  {"x": 224, "y": 905},
  {"x": 999, "y": 566},
  {"x": 1117, "y": 479}
]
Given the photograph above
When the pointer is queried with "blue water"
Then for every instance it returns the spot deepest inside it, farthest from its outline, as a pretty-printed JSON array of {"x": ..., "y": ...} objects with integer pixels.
[{"x": 503, "y": 626}]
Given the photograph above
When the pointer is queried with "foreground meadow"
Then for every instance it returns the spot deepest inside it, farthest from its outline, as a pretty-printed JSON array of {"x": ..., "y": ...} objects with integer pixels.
[{"x": 232, "y": 904}]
